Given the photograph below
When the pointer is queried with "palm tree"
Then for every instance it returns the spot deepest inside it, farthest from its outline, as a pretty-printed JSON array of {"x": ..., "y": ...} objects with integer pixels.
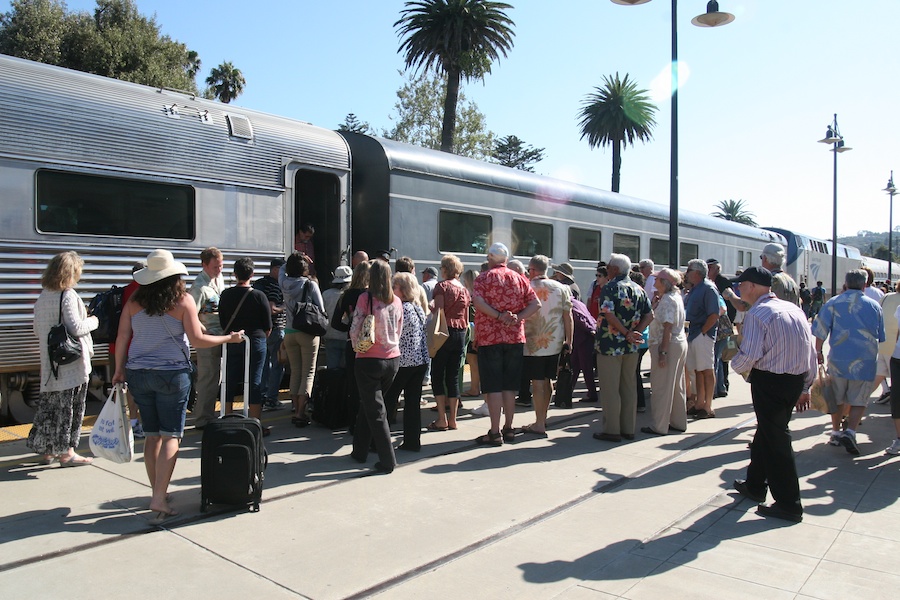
[
  {"x": 734, "y": 211},
  {"x": 226, "y": 82},
  {"x": 459, "y": 38},
  {"x": 615, "y": 114}
]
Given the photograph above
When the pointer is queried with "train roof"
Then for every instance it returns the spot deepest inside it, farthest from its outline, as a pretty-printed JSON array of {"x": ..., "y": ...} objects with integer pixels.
[
  {"x": 79, "y": 118},
  {"x": 415, "y": 159}
]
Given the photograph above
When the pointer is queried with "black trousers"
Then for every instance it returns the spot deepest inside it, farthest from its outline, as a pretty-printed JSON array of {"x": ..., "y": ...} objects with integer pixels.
[
  {"x": 408, "y": 381},
  {"x": 771, "y": 455},
  {"x": 374, "y": 377}
]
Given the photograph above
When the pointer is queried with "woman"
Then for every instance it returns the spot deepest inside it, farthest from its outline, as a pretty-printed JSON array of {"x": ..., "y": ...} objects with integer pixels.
[
  {"x": 341, "y": 321},
  {"x": 375, "y": 369},
  {"x": 668, "y": 350},
  {"x": 453, "y": 297},
  {"x": 471, "y": 347},
  {"x": 336, "y": 339},
  {"x": 246, "y": 309},
  {"x": 156, "y": 363},
  {"x": 57, "y": 421},
  {"x": 302, "y": 348},
  {"x": 413, "y": 363}
]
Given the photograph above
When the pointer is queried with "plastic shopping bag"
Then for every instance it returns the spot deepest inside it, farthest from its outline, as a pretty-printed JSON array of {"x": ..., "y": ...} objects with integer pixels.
[{"x": 111, "y": 436}]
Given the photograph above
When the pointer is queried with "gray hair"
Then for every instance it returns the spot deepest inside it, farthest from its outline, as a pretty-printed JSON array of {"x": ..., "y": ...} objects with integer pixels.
[
  {"x": 517, "y": 266},
  {"x": 499, "y": 251},
  {"x": 856, "y": 279},
  {"x": 774, "y": 253},
  {"x": 539, "y": 263},
  {"x": 620, "y": 262},
  {"x": 669, "y": 278},
  {"x": 698, "y": 265},
  {"x": 646, "y": 263}
]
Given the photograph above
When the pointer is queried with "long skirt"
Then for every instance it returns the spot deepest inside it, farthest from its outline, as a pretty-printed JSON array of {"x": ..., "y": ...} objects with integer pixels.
[{"x": 57, "y": 421}]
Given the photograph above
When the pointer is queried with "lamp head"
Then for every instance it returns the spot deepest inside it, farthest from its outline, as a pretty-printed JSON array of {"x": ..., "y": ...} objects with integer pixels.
[
  {"x": 712, "y": 17},
  {"x": 830, "y": 137},
  {"x": 630, "y": 2}
]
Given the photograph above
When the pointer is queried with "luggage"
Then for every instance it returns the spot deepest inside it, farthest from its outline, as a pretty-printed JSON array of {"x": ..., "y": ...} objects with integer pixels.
[
  {"x": 564, "y": 383},
  {"x": 233, "y": 457},
  {"x": 330, "y": 398},
  {"x": 107, "y": 307}
]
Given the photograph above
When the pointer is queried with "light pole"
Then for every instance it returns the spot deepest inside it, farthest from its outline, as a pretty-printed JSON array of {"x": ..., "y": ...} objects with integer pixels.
[
  {"x": 891, "y": 190},
  {"x": 711, "y": 18},
  {"x": 833, "y": 136}
]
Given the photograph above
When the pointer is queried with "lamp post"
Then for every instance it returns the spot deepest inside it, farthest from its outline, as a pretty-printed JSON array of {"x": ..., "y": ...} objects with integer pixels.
[
  {"x": 891, "y": 190},
  {"x": 711, "y": 18},
  {"x": 833, "y": 136}
]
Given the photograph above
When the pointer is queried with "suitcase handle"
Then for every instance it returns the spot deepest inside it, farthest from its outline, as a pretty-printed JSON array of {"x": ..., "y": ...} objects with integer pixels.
[{"x": 223, "y": 379}]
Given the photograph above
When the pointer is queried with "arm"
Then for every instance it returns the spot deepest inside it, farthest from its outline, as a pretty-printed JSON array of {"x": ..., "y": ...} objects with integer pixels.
[
  {"x": 568, "y": 327},
  {"x": 710, "y": 322},
  {"x": 123, "y": 339},
  {"x": 664, "y": 344},
  {"x": 71, "y": 316},
  {"x": 194, "y": 330}
]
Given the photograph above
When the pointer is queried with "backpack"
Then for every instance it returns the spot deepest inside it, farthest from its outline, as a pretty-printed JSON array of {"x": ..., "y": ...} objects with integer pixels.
[
  {"x": 62, "y": 348},
  {"x": 107, "y": 307},
  {"x": 817, "y": 293}
]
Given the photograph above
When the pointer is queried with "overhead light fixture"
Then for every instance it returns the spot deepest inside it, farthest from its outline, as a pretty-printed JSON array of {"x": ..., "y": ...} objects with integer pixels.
[{"x": 713, "y": 17}]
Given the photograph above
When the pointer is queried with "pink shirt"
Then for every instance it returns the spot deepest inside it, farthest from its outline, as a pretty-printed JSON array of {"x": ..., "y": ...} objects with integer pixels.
[{"x": 388, "y": 324}]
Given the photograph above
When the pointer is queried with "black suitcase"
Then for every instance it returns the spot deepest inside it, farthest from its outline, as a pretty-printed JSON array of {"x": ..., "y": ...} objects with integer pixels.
[
  {"x": 564, "y": 383},
  {"x": 330, "y": 401},
  {"x": 233, "y": 457}
]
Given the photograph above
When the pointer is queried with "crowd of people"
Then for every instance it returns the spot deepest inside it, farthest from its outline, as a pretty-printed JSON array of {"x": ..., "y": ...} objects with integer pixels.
[{"x": 515, "y": 325}]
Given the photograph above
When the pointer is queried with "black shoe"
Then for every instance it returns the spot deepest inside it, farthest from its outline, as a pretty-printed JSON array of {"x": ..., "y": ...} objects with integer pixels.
[
  {"x": 359, "y": 459},
  {"x": 409, "y": 447},
  {"x": 588, "y": 400},
  {"x": 675, "y": 429},
  {"x": 741, "y": 486},
  {"x": 628, "y": 436},
  {"x": 380, "y": 468},
  {"x": 607, "y": 437},
  {"x": 848, "y": 441},
  {"x": 774, "y": 511},
  {"x": 651, "y": 431}
]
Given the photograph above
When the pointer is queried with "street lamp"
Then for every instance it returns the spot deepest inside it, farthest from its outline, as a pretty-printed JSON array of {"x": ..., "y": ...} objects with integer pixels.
[
  {"x": 891, "y": 190},
  {"x": 711, "y": 18},
  {"x": 833, "y": 136}
]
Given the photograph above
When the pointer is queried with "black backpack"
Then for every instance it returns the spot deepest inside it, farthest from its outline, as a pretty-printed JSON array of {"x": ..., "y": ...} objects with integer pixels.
[
  {"x": 62, "y": 348},
  {"x": 107, "y": 307}
]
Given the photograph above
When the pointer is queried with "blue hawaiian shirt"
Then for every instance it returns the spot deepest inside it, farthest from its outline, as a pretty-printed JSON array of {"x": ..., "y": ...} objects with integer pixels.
[
  {"x": 854, "y": 325},
  {"x": 628, "y": 302}
]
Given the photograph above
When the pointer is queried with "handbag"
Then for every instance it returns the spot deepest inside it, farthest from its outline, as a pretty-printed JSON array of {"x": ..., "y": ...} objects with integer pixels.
[
  {"x": 111, "y": 436},
  {"x": 564, "y": 383},
  {"x": 725, "y": 328},
  {"x": 62, "y": 348},
  {"x": 732, "y": 346},
  {"x": 366, "y": 338},
  {"x": 308, "y": 317},
  {"x": 821, "y": 395},
  {"x": 283, "y": 355},
  {"x": 437, "y": 332}
]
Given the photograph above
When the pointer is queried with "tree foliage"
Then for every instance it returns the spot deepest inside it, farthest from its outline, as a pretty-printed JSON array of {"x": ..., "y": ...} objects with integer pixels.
[
  {"x": 226, "y": 82},
  {"x": 352, "y": 124},
  {"x": 418, "y": 119},
  {"x": 456, "y": 38},
  {"x": 736, "y": 211},
  {"x": 510, "y": 151},
  {"x": 616, "y": 114}
]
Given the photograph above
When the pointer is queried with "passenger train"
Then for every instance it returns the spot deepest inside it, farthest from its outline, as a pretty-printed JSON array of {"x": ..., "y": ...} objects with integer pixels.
[{"x": 113, "y": 170}]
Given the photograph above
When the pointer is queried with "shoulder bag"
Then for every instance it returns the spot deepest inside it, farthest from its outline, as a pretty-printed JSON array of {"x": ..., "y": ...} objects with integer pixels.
[
  {"x": 61, "y": 346},
  {"x": 367, "y": 333},
  {"x": 437, "y": 332},
  {"x": 308, "y": 317}
]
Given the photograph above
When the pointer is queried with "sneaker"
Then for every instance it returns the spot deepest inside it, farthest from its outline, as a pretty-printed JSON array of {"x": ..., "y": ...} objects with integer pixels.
[
  {"x": 893, "y": 449},
  {"x": 835, "y": 439},
  {"x": 272, "y": 405},
  {"x": 883, "y": 399},
  {"x": 848, "y": 441},
  {"x": 481, "y": 411},
  {"x": 137, "y": 431}
]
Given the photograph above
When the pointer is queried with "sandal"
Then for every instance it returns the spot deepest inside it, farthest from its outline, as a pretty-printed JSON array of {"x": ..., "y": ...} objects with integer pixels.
[
  {"x": 76, "y": 461},
  {"x": 300, "y": 421},
  {"x": 470, "y": 395},
  {"x": 509, "y": 435},
  {"x": 490, "y": 439},
  {"x": 529, "y": 430},
  {"x": 433, "y": 426}
]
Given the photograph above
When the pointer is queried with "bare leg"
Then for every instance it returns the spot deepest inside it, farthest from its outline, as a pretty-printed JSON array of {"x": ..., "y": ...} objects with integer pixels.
[
  {"x": 495, "y": 402},
  {"x": 856, "y": 415},
  {"x": 164, "y": 467},
  {"x": 509, "y": 408},
  {"x": 540, "y": 395},
  {"x": 452, "y": 407},
  {"x": 706, "y": 386},
  {"x": 474, "y": 376},
  {"x": 442, "y": 417}
]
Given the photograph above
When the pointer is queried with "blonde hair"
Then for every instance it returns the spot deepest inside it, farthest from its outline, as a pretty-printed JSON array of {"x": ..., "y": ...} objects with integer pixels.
[
  {"x": 451, "y": 266},
  {"x": 380, "y": 281},
  {"x": 62, "y": 272}
]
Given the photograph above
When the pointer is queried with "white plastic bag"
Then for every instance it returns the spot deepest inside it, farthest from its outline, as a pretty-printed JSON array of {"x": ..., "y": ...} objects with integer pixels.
[{"x": 111, "y": 436}]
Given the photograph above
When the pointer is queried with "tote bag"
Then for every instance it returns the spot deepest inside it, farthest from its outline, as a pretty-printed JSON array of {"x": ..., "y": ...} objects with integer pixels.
[
  {"x": 308, "y": 317},
  {"x": 111, "y": 436},
  {"x": 437, "y": 332}
]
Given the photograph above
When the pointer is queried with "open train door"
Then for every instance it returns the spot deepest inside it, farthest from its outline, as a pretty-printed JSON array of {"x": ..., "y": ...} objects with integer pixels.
[{"x": 319, "y": 199}]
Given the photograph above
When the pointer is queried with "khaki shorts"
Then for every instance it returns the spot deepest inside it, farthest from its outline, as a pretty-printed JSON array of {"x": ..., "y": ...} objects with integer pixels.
[
  {"x": 883, "y": 367},
  {"x": 701, "y": 355},
  {"x": 854, "y": 392}
]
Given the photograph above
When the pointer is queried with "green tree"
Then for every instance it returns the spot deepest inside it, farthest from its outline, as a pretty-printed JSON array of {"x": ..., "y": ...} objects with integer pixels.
[
  {"x": 736, "y": 211},
  {"x": 418, "y": 120},
  {"x": 225, "y": 82},
  {"x": 616, "y": 114},
  {"x": 34, "y": 29},
  {"x": 352, "y": 124},
  {"x": 458, "y": 39},
  {"x": 510, "y": 151}
]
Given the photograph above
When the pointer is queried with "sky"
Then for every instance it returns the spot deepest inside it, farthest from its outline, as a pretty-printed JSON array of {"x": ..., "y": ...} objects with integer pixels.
[{"x": 754, "y": 98}]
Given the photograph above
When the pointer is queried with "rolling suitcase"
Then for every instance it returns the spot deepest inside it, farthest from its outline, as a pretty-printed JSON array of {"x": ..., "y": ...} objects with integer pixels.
[
  {"x": 330, "y": 398},
  {"x": 232, "y": 456}
]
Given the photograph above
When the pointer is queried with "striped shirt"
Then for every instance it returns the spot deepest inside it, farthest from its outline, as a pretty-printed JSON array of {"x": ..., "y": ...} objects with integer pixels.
[{"x": 777, "y": 339}]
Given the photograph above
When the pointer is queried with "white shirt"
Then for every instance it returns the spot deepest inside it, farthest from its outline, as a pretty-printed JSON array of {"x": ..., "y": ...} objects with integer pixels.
[{"x": 874, "y": 293}]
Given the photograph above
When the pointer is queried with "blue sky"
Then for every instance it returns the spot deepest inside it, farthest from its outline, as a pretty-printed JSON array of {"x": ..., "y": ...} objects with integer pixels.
[{"x": 759, "y": 94}]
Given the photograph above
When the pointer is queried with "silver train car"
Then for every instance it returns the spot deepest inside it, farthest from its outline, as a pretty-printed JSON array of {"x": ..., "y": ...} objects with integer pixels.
[{"x": 112, "y": 170}]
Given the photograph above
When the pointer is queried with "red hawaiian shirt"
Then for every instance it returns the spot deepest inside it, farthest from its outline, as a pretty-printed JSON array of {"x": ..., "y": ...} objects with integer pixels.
[{"x": 504, "y": 290}]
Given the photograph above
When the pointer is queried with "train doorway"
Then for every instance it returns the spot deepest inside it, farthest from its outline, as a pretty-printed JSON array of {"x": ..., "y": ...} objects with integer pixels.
[{"x": 320, "y": 201}]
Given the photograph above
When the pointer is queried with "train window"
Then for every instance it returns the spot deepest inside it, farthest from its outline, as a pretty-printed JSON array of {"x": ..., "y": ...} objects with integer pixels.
[
  {"x": 659, "y": 251},
  {"x": 464, "y": 233},
  {"x": 584, "y": 244},
  {"x": 92, "y": 205},
  {"x": 688, "y": 252},
  {"x": 629, "y": 245},
  {"x": 530, "y": 238}
]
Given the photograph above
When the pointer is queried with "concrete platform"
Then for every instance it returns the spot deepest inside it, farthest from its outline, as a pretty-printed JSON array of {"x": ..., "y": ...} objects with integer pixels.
[{"x": 563, "y": 517}]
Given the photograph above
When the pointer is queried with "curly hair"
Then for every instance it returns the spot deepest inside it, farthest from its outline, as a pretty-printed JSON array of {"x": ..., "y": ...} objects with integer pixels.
[
  {"x": 62, "y": 272},
  {"x": 160, "y": 297},
  {"x": 452, "y": 266}
]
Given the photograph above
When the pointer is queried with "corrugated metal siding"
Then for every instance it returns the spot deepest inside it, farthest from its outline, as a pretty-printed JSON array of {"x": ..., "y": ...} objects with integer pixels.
[{"x": 63, "y": 115}]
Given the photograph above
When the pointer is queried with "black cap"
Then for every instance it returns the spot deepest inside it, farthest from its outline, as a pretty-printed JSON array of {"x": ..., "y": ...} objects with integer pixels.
[
  {"x": 276, "y": 262},
  {"x": 712, "y": 261},
  {"x": 756, "y": 275}
]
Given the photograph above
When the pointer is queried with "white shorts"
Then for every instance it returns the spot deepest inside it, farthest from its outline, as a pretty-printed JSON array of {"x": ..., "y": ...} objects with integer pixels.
[
  {"x": 701, "y": 355},
  {"x": 883, "y": 367}
]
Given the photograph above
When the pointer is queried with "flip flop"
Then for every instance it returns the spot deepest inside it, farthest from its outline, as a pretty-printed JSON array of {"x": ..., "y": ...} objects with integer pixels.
[
  {"x": 469, "y": 395},
  {"x": 76, "y": 461},
  {"x": 434, "y": 427},
  {"x": 528, "y": 429}
]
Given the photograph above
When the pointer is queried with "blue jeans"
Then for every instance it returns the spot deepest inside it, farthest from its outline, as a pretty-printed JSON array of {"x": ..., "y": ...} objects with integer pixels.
[
  {"x": 721, "y": 377},
  {"x": 234, "y": 369},
  {"x": 161, "y": 397},
  {"x": 273, "y": 371}
]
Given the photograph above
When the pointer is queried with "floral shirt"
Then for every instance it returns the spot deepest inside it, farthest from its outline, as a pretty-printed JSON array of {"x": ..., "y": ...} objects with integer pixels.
[
  {"x": 544, "y": 330},
  {"x": 504, "y": 290},
  {"x": 854, "y": 324},
  {"x": 669, "y": 310},
  {"x": 628, "y": 302},
  {"x": 413, "y": 347}
]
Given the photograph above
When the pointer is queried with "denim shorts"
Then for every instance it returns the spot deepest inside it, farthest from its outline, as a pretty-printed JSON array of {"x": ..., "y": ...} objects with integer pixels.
[
  {"x": 500, "y": 367},
  {"x": 161, "y": 397}
]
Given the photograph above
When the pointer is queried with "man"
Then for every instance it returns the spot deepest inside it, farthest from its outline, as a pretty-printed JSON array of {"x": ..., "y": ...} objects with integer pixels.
[
  {"x": 723, "y": 284},
  {"x": 503, "y": 299},
  {"x": 304, "y": 245},
  {"x": 429, "y": 280},
  {"x": 855, "y": 324},
  {"x": 818, "y": 299},
  {"x": 702, "y": 312},
  {"x": 273, "y": 371},
  {"x": 778, "y": 354},
  {"x": 359, "y": 256},
  {"x": 872, "y": 290},
  {"x": 783, "y": 285},
  {"x": 625, "y": 312},
  {"x": 565, "y": 274},
  {"x": 205, "y": 290},
  {"x": 548, "y": 333},
  {"x": 805, "y": 298},
  {"x": 646, "y": 268}
]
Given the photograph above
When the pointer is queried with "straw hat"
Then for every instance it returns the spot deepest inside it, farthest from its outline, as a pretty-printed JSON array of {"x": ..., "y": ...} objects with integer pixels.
[{"x": 160, "y": 264}]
